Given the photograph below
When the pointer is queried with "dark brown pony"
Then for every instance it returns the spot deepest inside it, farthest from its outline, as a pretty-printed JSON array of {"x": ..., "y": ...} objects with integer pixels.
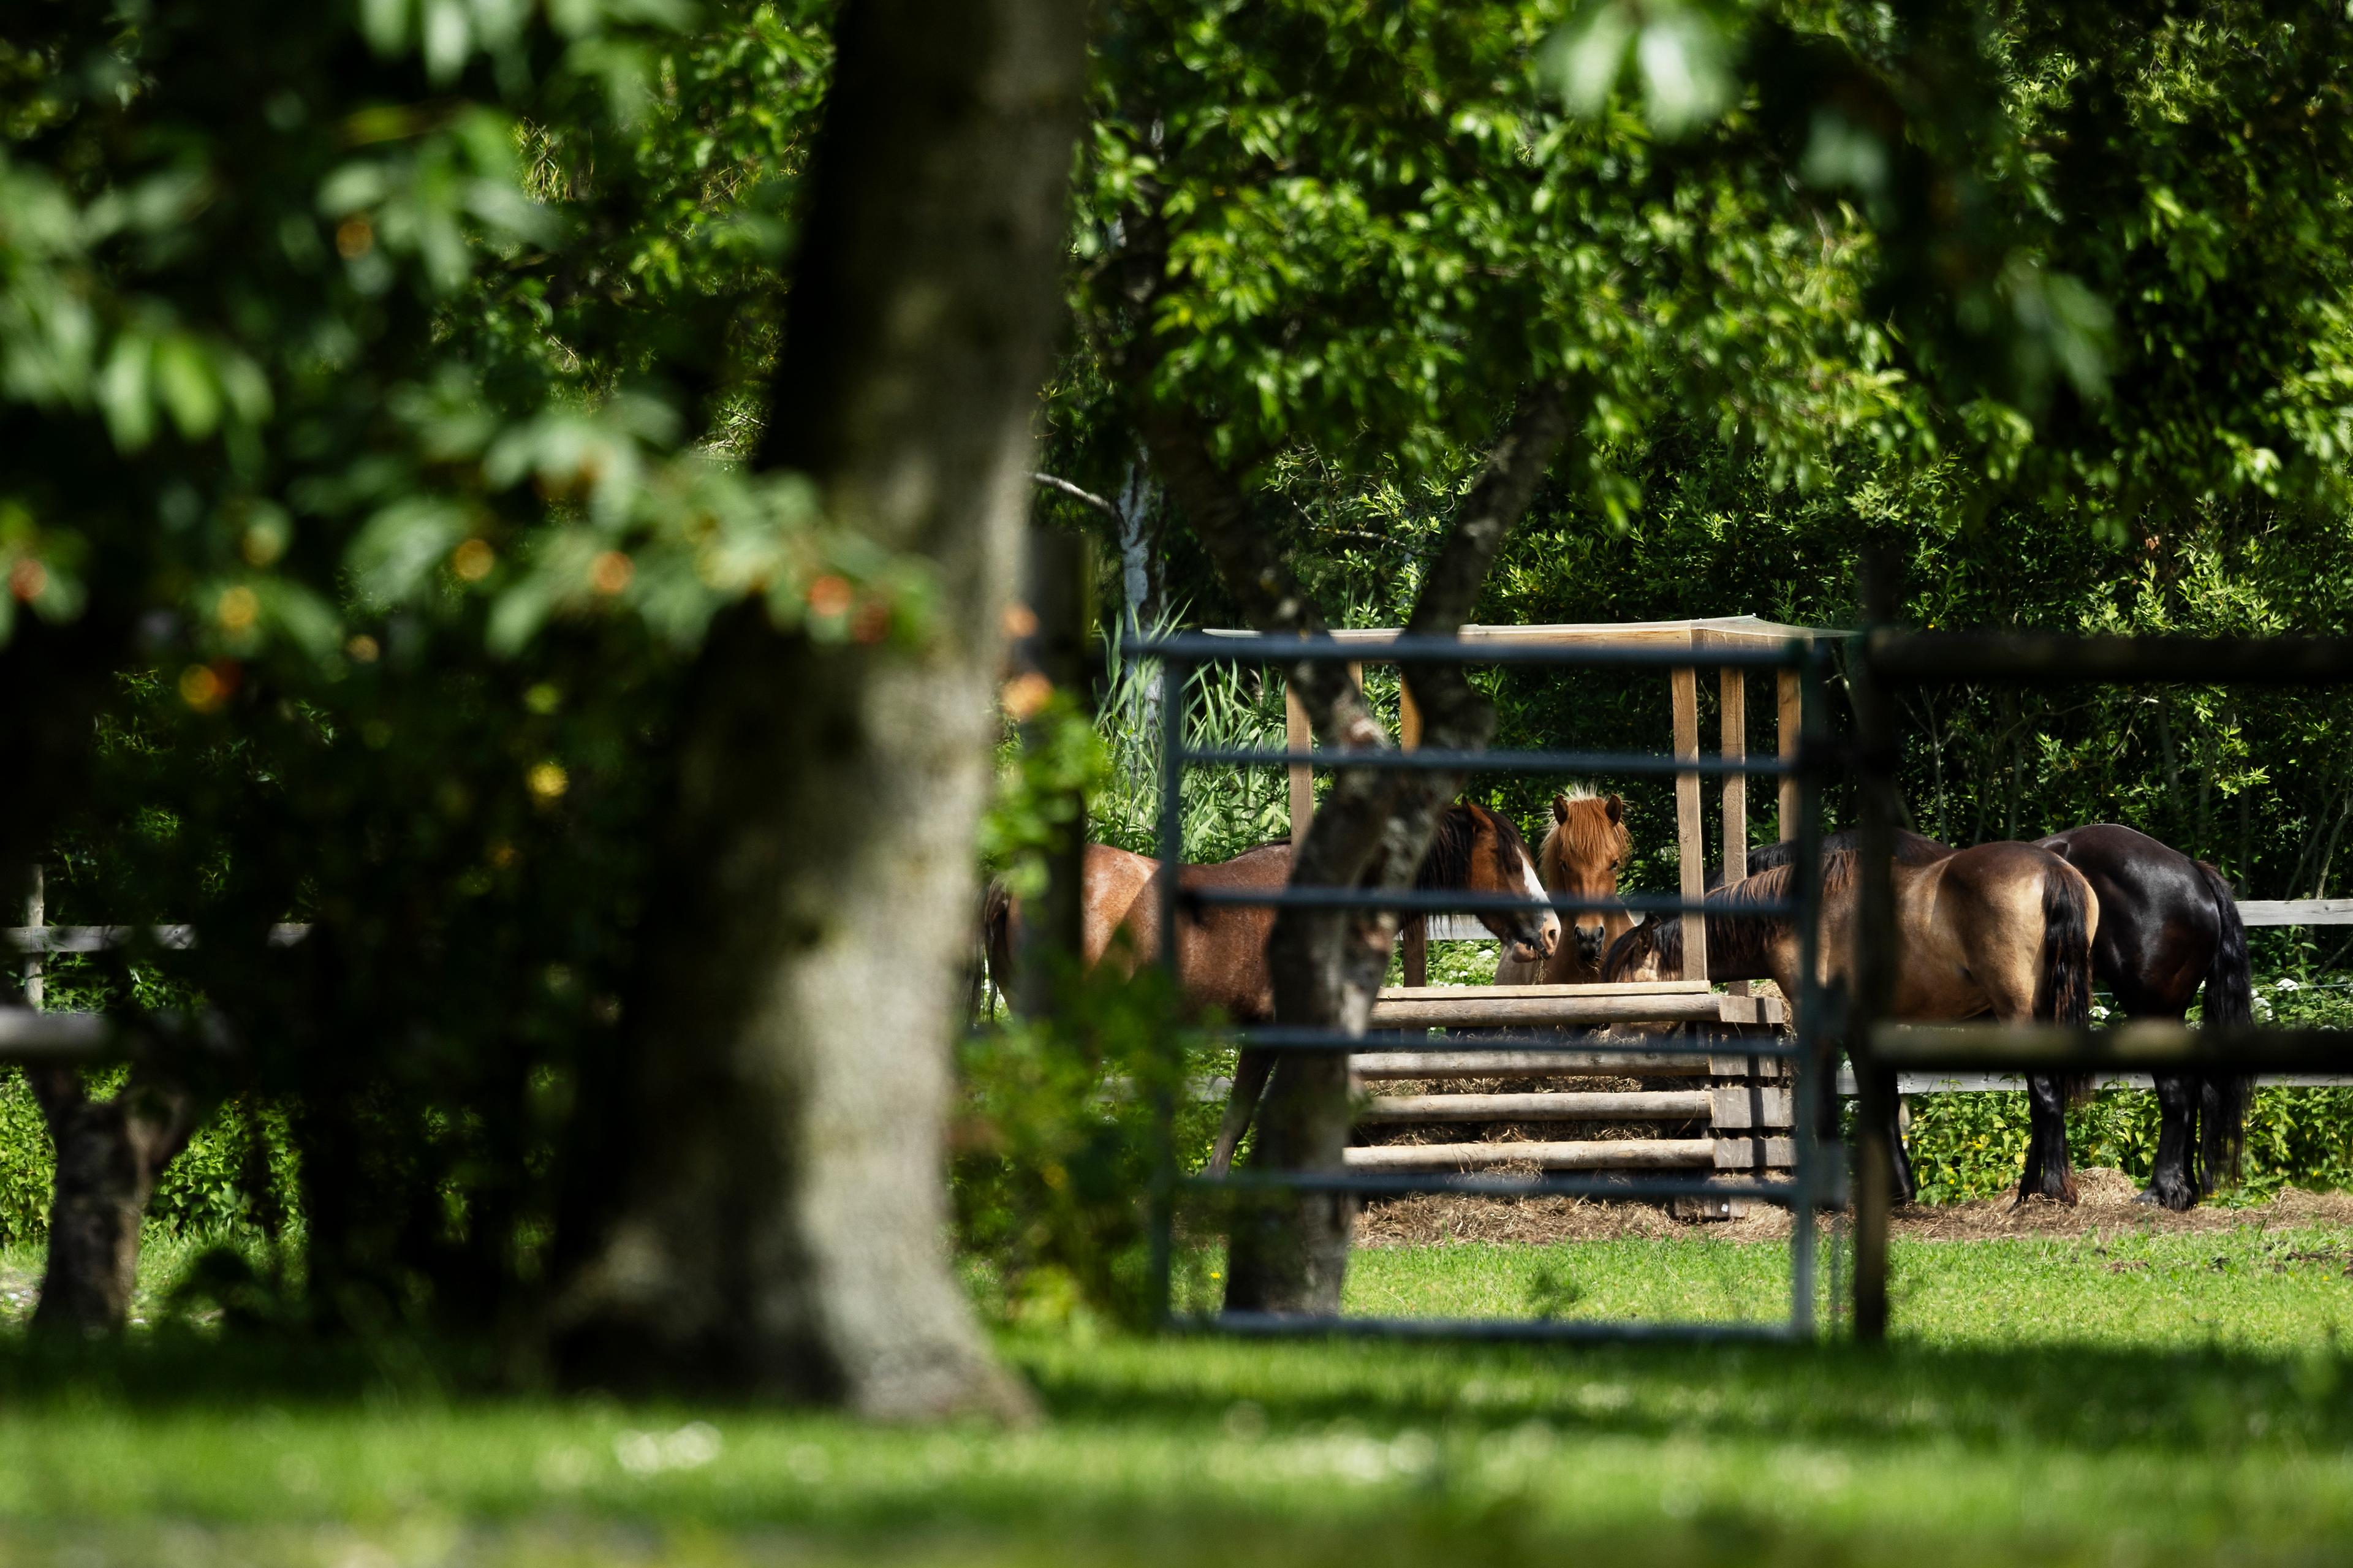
[
  {"x": 1582, "y": 854},
  {"x": 1223, "y": 950},
  {"x": 2004, "y": 929}
]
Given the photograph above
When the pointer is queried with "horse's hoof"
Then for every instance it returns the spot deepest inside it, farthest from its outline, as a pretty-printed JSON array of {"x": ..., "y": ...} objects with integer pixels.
[{"x": 2176, "y": 1199}]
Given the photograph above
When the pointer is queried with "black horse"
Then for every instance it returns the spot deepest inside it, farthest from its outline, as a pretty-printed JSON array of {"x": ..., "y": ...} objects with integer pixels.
[{"x": 2168, "y": 924}]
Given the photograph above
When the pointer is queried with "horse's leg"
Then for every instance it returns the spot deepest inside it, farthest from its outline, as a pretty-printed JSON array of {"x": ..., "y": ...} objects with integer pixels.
[
  {"x": 2048, "y": 1170},
  {"x": 2170, "y": 1182},
  {"x": 1906, "y": 1189},
  {"x": 1251, "y": 1069}
]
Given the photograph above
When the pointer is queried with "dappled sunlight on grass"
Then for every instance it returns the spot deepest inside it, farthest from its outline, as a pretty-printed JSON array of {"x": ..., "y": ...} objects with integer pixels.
[{"x": 2202, "y": 1413}]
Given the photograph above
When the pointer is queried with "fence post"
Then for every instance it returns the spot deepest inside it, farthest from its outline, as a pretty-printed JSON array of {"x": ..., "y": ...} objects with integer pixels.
[
  {"x": 1175, "y": 675},
  {"x": 1055, "y": 647},
  {"x": 1805, "y": 741},
  {"x": 1875, "y": 955}
]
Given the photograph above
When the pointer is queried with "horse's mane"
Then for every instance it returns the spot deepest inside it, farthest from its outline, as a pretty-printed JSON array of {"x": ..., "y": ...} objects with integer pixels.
[
  {"x": 1735, "y": 934},
  {"x": 1448, "y": 863}
]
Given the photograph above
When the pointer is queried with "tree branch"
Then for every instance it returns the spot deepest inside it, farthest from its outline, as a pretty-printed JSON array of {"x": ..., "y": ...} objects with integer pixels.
[{"x": 1085, "y": 496}]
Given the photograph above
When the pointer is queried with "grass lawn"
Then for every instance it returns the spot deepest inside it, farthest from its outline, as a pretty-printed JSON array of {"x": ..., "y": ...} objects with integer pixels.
[
  {"x": 2112, "y": 1402},
  {"x": 2265, "y": 1291}
]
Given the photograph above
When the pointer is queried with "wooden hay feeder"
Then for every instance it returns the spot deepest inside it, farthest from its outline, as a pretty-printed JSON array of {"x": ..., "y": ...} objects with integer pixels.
[{"x": 1742, "y": 1101}]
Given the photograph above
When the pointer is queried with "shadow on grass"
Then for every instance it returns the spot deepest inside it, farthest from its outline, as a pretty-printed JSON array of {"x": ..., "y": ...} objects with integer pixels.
[{"x": 2079, "y": 1397}]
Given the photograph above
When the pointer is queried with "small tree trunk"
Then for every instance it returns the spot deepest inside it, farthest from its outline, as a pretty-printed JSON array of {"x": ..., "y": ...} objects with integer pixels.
[
  {"x": 110, "y": 1154},
  {"x": 1289, "y": 1251},
  {"x": 779, "y": 1224}
]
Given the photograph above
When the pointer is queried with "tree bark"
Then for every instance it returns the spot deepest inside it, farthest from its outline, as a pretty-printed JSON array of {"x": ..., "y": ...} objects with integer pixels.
[
  {"x": 779, "y": 1223},
  {"x": 1288, "y": 1252},
  {"x": 109, "y": 1153}
]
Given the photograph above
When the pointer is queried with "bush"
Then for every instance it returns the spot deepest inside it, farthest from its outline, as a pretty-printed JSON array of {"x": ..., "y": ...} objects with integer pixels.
[
  {"x": 234, "y": 1171},
  {"x": 1057, "y": 1149}
]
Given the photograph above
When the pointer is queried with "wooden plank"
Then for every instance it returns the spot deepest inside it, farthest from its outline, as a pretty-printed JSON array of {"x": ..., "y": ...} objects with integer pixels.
[
  {"x": 1651, "y": 1104},
  {"x": 1742, "y": 1105},
  {"x": 1691, "y": 839},
  {"x": 1744, "y": 1009},
  {"x": 1468, "y": 1010},
  {"x": 106, "y": 939},
  {"x": 2296, "y": 911},
  {"x": 1591, "y": 1154},
  {"x": 1416, "y": 931},
  {"x": 1750, "y": 1154},
  {"x": 1525, "y": 1064},
  {"x": 1732, "y": 686},
  {"x": 1298, "y": 736},
  {"x": 1789, "y": 724}
]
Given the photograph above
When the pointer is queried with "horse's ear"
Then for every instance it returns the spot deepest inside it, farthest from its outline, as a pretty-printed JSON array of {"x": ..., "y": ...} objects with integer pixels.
[
  {"x": 1616, "y": 806},
  {"x": 1560, "y": 808}
]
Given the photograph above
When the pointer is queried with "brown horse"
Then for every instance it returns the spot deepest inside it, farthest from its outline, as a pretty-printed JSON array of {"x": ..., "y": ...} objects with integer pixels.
[
  {"x": 1222, "y": 951},
  {"x": 2167, "y": 924},
  {"x": 1582, "y": 854},
  {"x": 2004, "y": 929}
]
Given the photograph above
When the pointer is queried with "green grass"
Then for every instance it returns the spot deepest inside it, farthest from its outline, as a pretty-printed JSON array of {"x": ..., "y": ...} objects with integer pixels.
[
  {"x": 2247, "y": 1289},
  {"x": 2038, "y": 1405}
]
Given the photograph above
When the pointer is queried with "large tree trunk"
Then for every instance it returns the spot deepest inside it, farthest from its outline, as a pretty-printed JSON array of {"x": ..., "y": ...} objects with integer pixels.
[
  {"x": 1289, "y": 1253},
  {"x": 780, "y": 1223},
  {"x": 109, "y": 1153}
]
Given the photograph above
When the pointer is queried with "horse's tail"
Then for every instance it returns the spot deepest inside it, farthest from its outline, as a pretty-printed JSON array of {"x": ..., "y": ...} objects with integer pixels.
[
  {"x": 2230, "y": 1000},
  {"x": 996, "y": 933},
  {"x": 2067, "y": 988}
]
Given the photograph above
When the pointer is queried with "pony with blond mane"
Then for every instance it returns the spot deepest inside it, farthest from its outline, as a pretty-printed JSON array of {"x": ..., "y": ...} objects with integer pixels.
[{"x": 1581, "y": 856}]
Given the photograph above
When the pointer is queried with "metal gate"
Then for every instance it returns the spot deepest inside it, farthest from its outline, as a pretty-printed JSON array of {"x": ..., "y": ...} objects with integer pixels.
[{"x": 1816, "y": 1177}]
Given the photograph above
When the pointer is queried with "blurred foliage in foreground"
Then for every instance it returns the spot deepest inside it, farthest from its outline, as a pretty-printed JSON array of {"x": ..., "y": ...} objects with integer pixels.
[{"x": 372, "y": 383}]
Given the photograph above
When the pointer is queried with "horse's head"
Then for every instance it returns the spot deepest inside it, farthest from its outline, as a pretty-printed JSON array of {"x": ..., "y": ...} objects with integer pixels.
[
  {"x": 1587, "y": 847},
  {"x": 1476, "y": 850},
  {"x": 1635, "y": 955}
]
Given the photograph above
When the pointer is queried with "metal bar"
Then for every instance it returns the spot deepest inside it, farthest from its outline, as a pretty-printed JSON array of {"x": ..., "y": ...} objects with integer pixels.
[
  {"x": 1810, "y": 1060},
  {"x": 1632, "y": 1189},
  {"x": 1436, "y": 900},
  {"x": 1436, "y": 762},
  {"x": 1872, "y": 991},
  {"x": 2014, "y": 1083},
  {"x": 28, "y": 1036},
  {"x": 2044, "y": 658},
  {"x": 1198, "y": 647},
  {"x": 1161, "y": 1285},
  {"x": 2146, "y": 1045},
  {"x": 1273, "y": 1325},
  {"x": 1307, "y": 1037}
]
